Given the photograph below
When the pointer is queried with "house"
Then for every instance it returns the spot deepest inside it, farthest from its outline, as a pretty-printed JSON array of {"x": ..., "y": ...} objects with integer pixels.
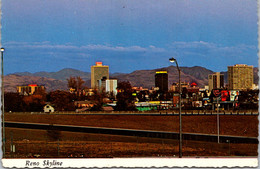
[{"x": 48, "y": 108}]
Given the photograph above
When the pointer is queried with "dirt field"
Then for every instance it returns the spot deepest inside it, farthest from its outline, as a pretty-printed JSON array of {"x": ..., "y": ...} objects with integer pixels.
[
  {"x": 37, "y": 143},
  {"x": 237, "y": 125}
]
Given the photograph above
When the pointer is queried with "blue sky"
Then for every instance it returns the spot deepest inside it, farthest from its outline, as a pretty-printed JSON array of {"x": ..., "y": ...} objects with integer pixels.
[{"x": 128, "y": 35}]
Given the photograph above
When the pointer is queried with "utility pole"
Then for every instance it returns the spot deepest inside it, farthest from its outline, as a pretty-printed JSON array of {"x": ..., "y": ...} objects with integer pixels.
[{"x": 3, "y": 107}]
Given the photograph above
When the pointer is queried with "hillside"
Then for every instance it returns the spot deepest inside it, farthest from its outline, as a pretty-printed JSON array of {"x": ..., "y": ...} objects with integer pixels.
[
  {"x": 146, "y": 78},
  {"x": 11, "y": 81},
  {"x": 60, "y": 75}
]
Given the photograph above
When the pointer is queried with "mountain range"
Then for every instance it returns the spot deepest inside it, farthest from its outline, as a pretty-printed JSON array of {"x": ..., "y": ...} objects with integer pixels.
[{"x": 145, "y": 78}]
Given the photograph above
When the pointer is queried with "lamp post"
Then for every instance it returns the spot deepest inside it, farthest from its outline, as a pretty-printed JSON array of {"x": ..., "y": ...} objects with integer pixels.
[
  {"x": 180, "y": 130},
  {"x": 2, "y": 92}
]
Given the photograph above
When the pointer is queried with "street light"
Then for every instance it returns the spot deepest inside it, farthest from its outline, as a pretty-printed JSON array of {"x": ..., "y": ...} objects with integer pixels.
[
  {"x": 2, "y": 92},
  {"x": 180, "y": 131}
]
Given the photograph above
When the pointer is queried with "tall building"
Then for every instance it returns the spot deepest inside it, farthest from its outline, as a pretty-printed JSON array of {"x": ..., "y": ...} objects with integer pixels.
[
  {"x": 216, "y": 81},
  {"x": 98, "y": 72},
  {"x": 161, "y": 80},
  {"x": 240, "y": 77}
]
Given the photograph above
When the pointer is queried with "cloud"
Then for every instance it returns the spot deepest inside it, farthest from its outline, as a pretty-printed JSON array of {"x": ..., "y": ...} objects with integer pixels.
[
  {"x": 126, "y": 58},
  {"x": 210, "y": 49},
  {"x": 184, "y": 49},
  {"x": 47, "y": 46},
  {"x": 212, "y": 55}
]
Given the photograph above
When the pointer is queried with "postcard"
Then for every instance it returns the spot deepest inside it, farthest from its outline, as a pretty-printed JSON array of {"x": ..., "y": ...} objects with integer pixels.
[{"x": 127, "y": 83}]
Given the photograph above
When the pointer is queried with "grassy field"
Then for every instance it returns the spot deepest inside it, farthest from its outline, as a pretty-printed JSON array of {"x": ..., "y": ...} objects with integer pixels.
[{"x": 236, "y": 125}]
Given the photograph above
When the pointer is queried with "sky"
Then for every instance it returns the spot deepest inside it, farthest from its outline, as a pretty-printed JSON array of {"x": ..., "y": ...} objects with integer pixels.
[{"x": 127, "y": 35}]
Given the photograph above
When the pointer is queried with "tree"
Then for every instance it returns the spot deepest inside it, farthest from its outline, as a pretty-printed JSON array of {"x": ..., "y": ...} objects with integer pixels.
[
  {"x": 62, "y": 100},
  {"x": 72, "y": 83},
  {"x": 76, "y": 83},
  {"x": 98, "y": 99},
  {"x": 34, "y": 102},
  {"x": 14, "y": 102},
  {"x": 125, "y": 99}
]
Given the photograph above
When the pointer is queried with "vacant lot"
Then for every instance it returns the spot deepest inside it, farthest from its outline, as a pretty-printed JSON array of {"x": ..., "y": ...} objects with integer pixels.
[
  {"x": 38, "y": 143},
  {"x": 237, "y": 125},
  {"x": 41, "y": 143}
]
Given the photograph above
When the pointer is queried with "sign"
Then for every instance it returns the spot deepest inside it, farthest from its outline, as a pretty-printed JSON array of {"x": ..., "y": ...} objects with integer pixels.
[
  {"x": 234, "y": 95},
  {"x": 224, "y": 95},
  {"x": 98, "y": 63},
  {"x": 216, "y": 92}
]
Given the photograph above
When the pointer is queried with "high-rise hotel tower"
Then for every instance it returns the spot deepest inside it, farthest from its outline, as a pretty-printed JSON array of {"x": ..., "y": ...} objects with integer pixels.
[
  {"x": 240, "y": 77},
  {"x": 98, "y": 72},
  {"x": 161, "y": 80}
]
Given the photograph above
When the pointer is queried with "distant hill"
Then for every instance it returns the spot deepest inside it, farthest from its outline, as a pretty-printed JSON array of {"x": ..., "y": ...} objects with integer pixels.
[
  {"x": 60, "y": 75},
  {"x": 144, "y": 78},
  {"x": 11, "y": 81},
  {"x": 64, "y": 74}
]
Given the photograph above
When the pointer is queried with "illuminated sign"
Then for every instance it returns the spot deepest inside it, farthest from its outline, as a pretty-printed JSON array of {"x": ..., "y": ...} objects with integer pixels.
[
  {"x": 224, "y": 95},
  {"x": 159, "y": 72},
  {"x": 32, "y": 85},
  {"x": 99, "y": 63}
]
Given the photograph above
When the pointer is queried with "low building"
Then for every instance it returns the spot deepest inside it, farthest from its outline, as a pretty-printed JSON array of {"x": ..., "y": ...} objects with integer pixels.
[
  {"x": 30, "y": 89},
  {"x": 84, "y": 104},
  {"x": 110, "y": 85},
  {"x": 175, "y": 86},
  {"x": 48, "y": 108},
  {"x": 107, "y": 108},
  {"x": 145, "y": 106}
]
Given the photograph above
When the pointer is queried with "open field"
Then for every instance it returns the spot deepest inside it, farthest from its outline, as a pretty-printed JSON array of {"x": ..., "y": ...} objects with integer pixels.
[
  {"x": 30, "y": 143},
  {"x": 229, "y": 124},
  {"x": 38, "y": 143}
]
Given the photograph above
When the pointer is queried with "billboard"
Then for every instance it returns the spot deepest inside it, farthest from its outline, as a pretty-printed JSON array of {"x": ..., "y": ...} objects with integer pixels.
[
  {"x": 234, "y": 95},
  {"x": 224, "y": 95}
]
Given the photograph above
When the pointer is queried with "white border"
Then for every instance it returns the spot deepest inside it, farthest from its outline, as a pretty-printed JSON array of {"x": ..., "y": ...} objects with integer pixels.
[{"x": 135, "y": 162}]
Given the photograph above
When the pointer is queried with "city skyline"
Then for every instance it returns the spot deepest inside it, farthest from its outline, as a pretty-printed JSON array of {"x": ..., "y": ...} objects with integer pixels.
[{"x": 127, "y": 35}]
